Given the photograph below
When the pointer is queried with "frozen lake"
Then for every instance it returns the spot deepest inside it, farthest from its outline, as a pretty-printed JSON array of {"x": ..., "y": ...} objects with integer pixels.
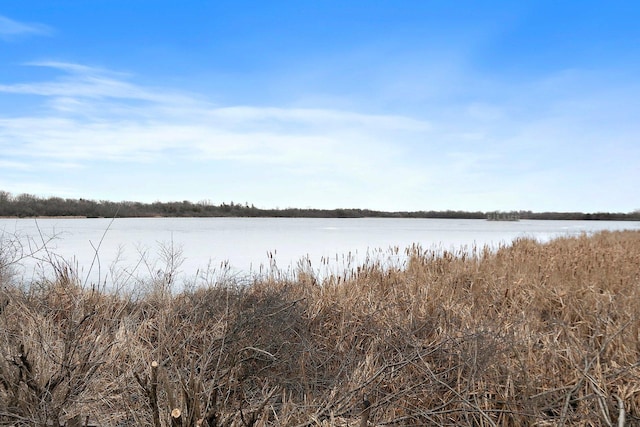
[{"x": 124, "y": 249}]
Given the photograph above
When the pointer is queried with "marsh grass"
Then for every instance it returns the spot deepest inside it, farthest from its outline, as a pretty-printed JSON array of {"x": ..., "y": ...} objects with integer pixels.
[{"x": 528, "y": 334}]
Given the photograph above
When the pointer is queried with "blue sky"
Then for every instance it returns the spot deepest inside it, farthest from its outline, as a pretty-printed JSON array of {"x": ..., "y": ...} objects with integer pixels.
[{"x": 404, "y": 105}]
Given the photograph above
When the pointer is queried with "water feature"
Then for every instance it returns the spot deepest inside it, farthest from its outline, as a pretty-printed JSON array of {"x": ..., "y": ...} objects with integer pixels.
[{"x": 125, "y": 249}]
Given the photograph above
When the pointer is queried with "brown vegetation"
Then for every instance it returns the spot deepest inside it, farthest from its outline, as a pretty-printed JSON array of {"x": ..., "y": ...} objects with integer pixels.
[{"x": 530, "y": 334}]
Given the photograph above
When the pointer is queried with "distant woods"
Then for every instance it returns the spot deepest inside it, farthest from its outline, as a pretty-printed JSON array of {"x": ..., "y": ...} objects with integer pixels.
[{"x": 27, "y": 205}]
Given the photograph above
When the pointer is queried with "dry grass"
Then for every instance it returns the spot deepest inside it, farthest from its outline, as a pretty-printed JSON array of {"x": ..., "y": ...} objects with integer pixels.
[{"x": 530, "y": 334}]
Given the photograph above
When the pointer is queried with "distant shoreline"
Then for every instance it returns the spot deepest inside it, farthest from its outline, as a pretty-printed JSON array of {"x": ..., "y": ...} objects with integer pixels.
[
  {"x": 46, "y": 217},
  {"x": 30, "y": 206},
  {"x": 558, "y": 218}
]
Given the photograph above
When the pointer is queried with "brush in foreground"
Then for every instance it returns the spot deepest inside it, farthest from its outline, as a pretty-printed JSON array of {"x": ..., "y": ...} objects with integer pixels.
[{"x": 529, "y": 334}]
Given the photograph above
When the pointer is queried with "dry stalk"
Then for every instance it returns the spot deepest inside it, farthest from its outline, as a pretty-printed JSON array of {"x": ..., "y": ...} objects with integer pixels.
[{"x": 527, "y": 334}]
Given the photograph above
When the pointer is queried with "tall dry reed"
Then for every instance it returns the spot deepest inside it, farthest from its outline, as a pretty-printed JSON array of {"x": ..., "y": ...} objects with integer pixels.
[{"x": 528, "y": 334}]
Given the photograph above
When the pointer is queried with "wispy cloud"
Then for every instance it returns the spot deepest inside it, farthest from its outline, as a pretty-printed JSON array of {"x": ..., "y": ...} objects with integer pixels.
[
  {"x": 519, "y": 151},
  {"x": 8, "y": 164},
  {"x": 93, "y": 114},
  {"x": 81, "y": 81},
  {"x": 90, "y": 115},
  {"x": 10, "y": 29}
]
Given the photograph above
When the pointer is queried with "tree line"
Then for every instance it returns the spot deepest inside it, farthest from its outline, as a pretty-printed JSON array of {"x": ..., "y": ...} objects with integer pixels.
[{"x": 28, "y": 205}]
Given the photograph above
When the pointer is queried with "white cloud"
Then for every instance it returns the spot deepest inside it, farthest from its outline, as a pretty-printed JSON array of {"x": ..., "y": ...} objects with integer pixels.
[
  {"x": 319, "y": 117},
  {"x": 10, "y": 29},
  {"x": 88, "y": 82},
  {"x": 92, "y": 115},
  {"x": 15, "y": 165},
  {"x": 509, "y": 153}
]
